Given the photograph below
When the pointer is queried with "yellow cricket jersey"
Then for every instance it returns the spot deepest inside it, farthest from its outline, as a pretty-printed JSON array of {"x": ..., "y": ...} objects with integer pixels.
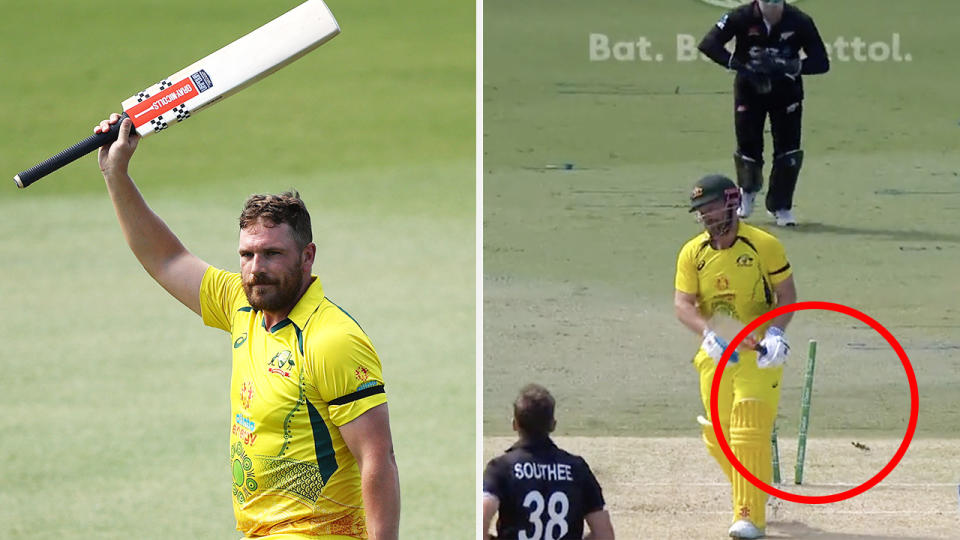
[
  {"x": 737, "y": 281},
  {"x": 292, "y": 386}
]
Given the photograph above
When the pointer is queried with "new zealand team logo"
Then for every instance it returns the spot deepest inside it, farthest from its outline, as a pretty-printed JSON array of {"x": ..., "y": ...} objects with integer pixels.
[{"x": 281, "y": 363}]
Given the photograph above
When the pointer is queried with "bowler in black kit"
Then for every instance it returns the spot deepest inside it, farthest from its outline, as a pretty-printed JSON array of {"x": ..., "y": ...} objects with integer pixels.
[
  {"x": 770, "y": 36},
  {"x": 540, "y": 491}
]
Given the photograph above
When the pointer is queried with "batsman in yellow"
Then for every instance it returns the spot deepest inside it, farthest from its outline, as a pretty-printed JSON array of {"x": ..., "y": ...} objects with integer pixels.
[{"x": 736, "y": 272}]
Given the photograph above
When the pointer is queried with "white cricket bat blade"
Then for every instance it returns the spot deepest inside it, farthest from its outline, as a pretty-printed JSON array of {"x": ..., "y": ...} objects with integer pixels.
[
  {"x": 243, "y": 62},
  {"x": 235, "y": 66}
]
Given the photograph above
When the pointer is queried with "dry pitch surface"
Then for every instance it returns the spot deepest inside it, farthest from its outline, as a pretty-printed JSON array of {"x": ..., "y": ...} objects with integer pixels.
[{"x": 671, "y": 488}]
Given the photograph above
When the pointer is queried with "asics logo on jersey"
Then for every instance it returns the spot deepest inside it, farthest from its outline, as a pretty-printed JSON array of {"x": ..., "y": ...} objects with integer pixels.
[{"x": 240, "y": 340}]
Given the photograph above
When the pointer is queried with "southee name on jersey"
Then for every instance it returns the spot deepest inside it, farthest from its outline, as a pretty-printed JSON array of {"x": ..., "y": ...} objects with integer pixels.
[{"x": 558, "y": 472}]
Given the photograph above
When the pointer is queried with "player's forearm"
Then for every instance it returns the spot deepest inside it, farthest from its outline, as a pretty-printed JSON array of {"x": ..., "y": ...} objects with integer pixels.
[
  {"x": 690, "y": 316},
  {"x": 491, "y": 505},
  {"x": 786, "y": 294},
  {"x": 817, "y": 60},
  {"x": 782, "y": 321},
  {"x": 152, "y": 242},
  {"x": 380, "y": 483},
  {"x": 815, "y": 64},
  {"x": 600, "y": 525},
  {"x": 714, "y": 47}
]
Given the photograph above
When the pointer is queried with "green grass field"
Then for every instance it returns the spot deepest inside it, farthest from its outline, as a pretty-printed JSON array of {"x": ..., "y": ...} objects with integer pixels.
[
  {"x": 114, "y": 396},
  {"x": 579, "y": 264}
]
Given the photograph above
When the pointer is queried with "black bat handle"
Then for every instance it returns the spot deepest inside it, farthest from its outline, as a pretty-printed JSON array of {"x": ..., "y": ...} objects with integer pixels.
[{"x": 69, "y": 155}]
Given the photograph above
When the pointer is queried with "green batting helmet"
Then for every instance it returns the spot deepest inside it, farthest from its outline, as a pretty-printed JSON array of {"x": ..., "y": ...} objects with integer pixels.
[{"x": 713, "y": 187}]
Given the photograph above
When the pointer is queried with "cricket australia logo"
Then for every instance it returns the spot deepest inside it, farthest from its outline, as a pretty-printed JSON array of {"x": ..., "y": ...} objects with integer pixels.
[
  {"x": 281, "y": 363},
  {"x": 745, "y": 260}
]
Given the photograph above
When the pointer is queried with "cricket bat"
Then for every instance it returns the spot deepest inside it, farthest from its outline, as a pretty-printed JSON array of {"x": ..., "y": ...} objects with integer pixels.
[
  {"x": 209, "y": 80},
  {"x": 727, "y": 328}
]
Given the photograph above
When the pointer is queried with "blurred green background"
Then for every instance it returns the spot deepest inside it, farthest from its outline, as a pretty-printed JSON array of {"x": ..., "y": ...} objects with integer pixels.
[
  {"x": 579, "y": 264},
  {"x": 114, "y": 396}
]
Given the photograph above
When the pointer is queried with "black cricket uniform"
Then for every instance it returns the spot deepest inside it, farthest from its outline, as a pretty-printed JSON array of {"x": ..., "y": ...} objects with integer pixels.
[
  {"x": 544, "y": 492},
  {"x": 758, "y": 92}
]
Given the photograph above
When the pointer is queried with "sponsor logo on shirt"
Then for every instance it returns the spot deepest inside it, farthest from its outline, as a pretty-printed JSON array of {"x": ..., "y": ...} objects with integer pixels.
[
  {"x": 368, "y": 384},
  {"x": 246, "y": 394},
  {"x": 745, "y": 260},
  {"x": 281, "y": 363},
  {"x": 362, "y": 374},
  {"x": 243, "y": 427},
  {"x": 240, "y": 340},
  {"x": 723, "y": 21},
  {"x": 722, "y": 283}
]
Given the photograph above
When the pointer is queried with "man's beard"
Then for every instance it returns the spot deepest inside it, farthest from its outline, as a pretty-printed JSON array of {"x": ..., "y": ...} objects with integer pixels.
[
  {"x": 281, "y": 294},
  {"x": 719, "y": 223}
]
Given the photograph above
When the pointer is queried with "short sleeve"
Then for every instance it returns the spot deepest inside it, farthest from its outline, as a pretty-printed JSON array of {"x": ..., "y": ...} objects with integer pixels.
[
  {"x": 592, "y": 494},
  {"x": 221, "y": 294},
  {"x": 493, "y": 478},
  {"x": 686, "y": 280},
  {"x": 348, "y": 373},
  {"x": 774, "y": 260}
]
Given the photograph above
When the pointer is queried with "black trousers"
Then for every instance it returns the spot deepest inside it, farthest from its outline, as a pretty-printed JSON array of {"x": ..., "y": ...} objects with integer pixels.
[{"x": 750, "y": 114}]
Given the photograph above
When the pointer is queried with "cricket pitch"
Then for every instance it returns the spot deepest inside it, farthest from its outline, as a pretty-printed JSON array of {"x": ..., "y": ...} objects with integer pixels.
[{"x": 668, "y": 487}]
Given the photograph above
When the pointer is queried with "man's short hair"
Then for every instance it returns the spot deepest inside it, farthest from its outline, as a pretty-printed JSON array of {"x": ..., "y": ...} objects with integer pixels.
[
  {"x": 286, "y": 207},
  {"x": 533, "y": 410}
]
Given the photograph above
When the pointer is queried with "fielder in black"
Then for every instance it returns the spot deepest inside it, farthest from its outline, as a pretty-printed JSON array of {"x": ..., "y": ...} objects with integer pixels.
[
  {"x": 540, "y": 491},
  {"x": 769, "y": 38}
]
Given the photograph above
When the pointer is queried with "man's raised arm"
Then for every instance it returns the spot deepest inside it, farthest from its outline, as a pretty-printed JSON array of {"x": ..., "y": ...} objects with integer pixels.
[{"x": 154, "y": 244}]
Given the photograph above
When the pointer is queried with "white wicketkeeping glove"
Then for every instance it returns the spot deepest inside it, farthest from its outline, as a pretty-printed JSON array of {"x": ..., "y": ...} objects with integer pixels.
[
  {"x": 775, "y": 348},
  {"x": 714, "y": 346}
]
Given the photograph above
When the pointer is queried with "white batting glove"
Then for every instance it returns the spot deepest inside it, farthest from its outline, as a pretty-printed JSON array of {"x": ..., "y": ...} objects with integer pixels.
[
  {"x": 775, "y": 348},
  {"x": 714, "y": 346}
]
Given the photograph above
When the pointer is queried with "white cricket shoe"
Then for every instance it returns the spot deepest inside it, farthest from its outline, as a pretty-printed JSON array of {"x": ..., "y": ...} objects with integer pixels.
[
  {"x": 746, "y": 203},
  {"x": 744, "y": 529},
  {"x": 784, "y": 218}
]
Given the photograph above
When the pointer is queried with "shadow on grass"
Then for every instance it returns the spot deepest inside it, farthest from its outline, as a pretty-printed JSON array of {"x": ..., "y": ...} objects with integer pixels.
[
  {"x": 891, "y": 234},
  {"x": 796, "y": 529}
]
